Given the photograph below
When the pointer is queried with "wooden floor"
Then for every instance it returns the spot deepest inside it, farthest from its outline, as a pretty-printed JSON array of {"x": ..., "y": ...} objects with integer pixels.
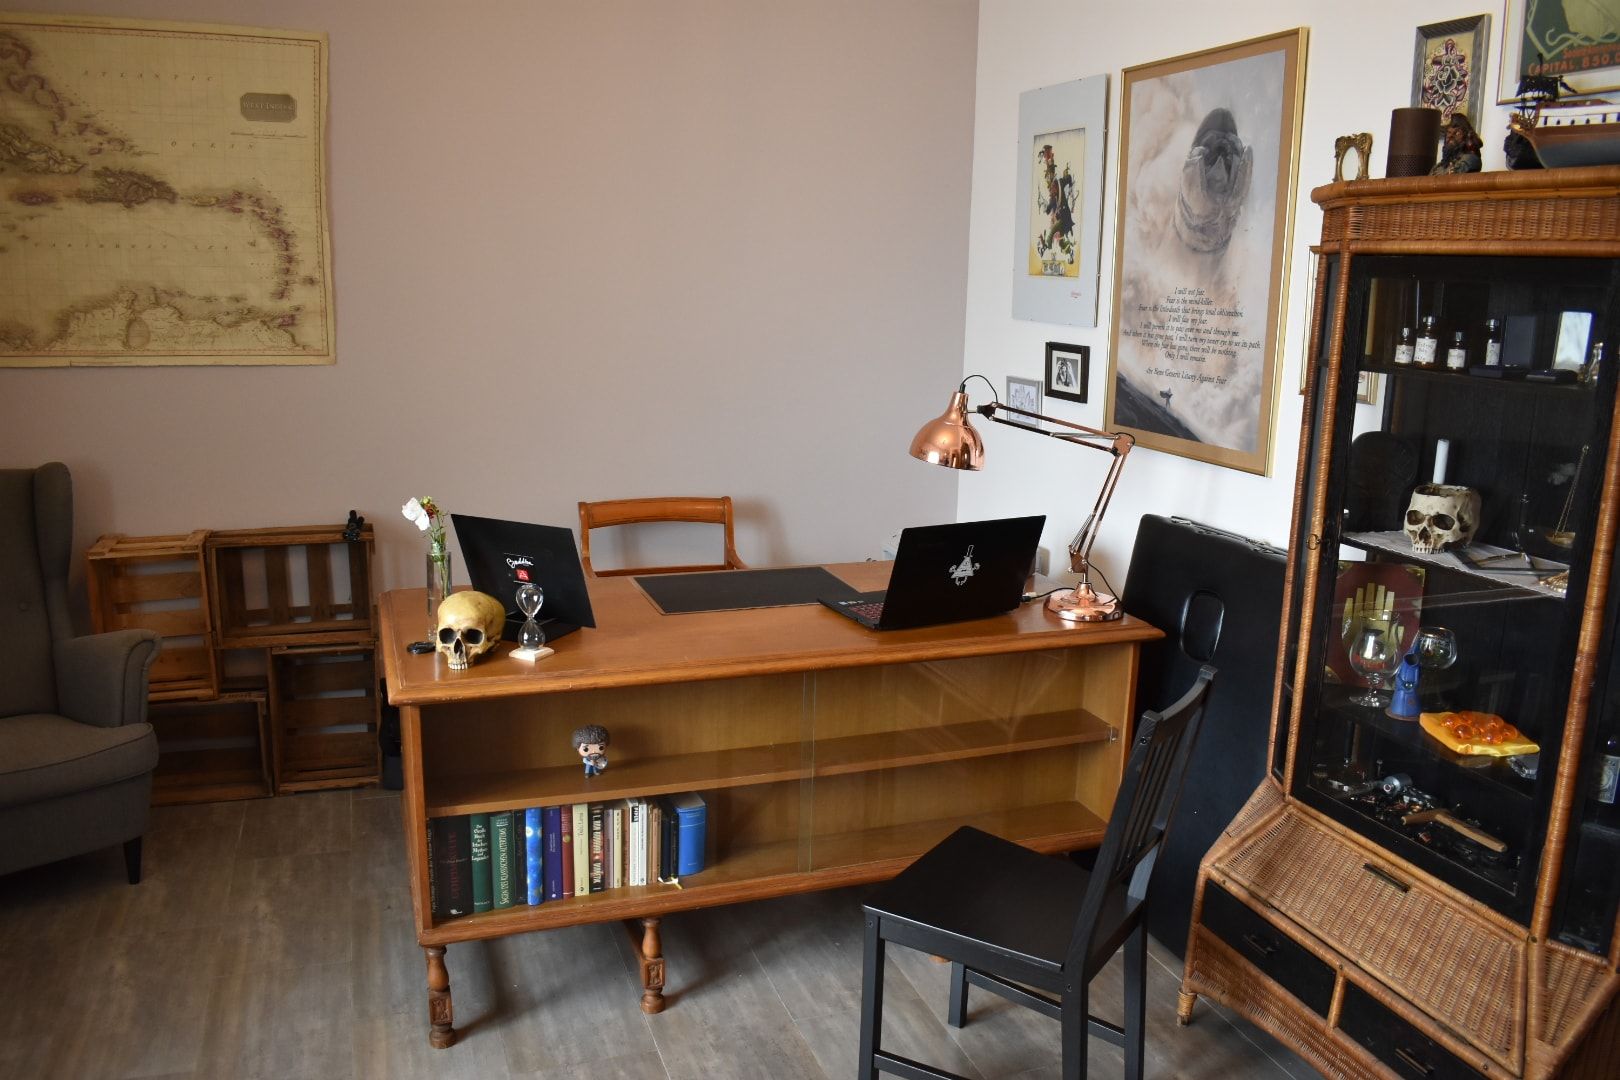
[{"x": 272, "y": 939}]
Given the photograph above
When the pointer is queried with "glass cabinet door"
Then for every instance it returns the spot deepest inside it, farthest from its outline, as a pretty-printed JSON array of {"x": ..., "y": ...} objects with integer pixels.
[{"x": 1465, "y": 465}]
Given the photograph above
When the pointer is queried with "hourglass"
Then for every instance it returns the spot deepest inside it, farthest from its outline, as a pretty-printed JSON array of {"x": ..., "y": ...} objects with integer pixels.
[{"x": 531, "y": 639}]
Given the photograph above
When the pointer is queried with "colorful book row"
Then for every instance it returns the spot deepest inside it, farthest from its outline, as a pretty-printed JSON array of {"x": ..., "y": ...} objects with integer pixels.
[{"x": 485, "y": 862}]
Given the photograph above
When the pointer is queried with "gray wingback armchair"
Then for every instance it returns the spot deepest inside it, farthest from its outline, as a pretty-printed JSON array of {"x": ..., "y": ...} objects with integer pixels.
[{"x": 76, "y": 752}]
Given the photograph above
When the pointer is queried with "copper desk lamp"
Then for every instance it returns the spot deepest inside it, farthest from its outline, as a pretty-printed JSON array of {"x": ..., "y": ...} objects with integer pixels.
[{"x": 951, "y": 441}]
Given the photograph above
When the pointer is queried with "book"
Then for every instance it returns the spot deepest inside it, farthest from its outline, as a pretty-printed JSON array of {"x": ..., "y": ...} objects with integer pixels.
[
  {"x": 670, "y": 842},
  {"x": 692, "y": 831},
  {"x": 635, "y": 851},
  {"x": 502, "y": 844},
  {"x": 552, "y": 817},
  {"x": 520, "y": 860},
  {"x": 534, "y": 880},
  {"x": 565, "y": 838},
  {"x": 450, "y": 860},
  {"x": 482, "y": 882},
  {"x": 615, "y": 845},
  {"x": 655, "y": 839},
  {"x": 598, "y": 854},
  {"x": 582, "y": 848}
]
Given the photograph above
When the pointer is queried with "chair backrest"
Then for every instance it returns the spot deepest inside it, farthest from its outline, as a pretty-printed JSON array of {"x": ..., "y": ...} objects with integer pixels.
[
  {"x": 1142, "y": 811},
  {"x": 601, "y": 515},
  {"x": 36, "y": 533}
]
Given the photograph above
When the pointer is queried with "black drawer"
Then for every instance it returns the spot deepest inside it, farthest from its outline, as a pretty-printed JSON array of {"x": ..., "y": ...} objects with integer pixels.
[
  {"x": 1287, "y": 963},
  {"x": 1397, "y": 1043}
]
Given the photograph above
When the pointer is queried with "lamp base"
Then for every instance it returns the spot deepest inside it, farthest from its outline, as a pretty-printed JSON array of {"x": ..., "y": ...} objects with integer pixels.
[{"x": 1084, "y": 604}]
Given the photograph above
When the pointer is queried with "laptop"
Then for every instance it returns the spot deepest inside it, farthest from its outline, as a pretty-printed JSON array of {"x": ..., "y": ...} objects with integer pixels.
[
  {"x": 501, "y": 555},
  {"x": 950, "y": 573}
]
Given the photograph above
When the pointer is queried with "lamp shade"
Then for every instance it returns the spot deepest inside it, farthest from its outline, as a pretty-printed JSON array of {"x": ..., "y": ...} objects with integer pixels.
[{"x": 950, "y": 440}]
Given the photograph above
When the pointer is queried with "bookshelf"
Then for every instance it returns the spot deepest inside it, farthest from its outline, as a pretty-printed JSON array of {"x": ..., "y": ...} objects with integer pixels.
[{"x": 827, "y": 755}]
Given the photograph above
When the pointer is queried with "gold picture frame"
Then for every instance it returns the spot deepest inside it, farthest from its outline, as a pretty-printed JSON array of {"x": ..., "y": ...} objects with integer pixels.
[
  {"x": 1208, "y": 177},
  {"x": 1580, "y": 50}
]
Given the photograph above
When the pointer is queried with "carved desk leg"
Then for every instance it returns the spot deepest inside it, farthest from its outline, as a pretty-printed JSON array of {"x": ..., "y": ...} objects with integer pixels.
[
  {"x": 650, "y": 951},
  {"x": 440, "y": 1014}
]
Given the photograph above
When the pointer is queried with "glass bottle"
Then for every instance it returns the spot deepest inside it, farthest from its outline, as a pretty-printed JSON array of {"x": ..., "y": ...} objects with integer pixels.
[
  {"x": 1457, "y": 355},
  {"x": 1493, "y": 342},
  {"x": 1423, "y": 353},
  {"x": 1403, "y": 348},
  {"x": 1608, "y": 783}
]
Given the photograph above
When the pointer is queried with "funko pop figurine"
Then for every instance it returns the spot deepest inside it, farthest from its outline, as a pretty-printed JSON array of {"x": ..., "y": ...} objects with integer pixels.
[{"x": 592, "y": 742}]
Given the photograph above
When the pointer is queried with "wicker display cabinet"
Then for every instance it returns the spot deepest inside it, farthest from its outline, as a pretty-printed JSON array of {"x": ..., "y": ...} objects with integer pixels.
[{"x": 1342, "y": 914}]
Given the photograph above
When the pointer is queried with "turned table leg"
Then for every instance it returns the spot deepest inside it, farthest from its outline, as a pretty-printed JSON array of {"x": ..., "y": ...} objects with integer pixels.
[
  {"x": 650, "y": 951},
  {"x": 440, "y": 1014}
]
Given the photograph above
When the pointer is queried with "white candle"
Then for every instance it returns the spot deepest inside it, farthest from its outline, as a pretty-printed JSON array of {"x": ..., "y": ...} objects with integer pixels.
[{"x": 1442, "y": 451}]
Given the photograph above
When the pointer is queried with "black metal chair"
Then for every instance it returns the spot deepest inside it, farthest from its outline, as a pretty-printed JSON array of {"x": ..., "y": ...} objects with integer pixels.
[{"x": 1004, "y": 915}]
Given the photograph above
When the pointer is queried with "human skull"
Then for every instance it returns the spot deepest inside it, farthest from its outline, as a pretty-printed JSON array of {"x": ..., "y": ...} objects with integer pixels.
[
  {"x": 1441, "y": 516},
  {"x": 470, "y": 625}
]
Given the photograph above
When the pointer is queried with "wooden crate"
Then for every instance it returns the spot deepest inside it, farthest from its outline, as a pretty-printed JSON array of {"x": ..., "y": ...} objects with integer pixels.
[
  {"x": 324, "y": 712},
  {"x": 158, "y": 583},
  {"x": 304, "y": 584},
  {"x": 210, "y": 751}
]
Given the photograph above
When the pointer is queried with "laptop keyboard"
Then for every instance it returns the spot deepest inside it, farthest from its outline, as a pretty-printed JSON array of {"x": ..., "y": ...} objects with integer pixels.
[{"x": 867, "y": 609}]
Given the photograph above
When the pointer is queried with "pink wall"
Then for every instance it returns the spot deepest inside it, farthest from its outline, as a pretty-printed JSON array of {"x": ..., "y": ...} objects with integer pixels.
[{"x": 657, "y": 242}]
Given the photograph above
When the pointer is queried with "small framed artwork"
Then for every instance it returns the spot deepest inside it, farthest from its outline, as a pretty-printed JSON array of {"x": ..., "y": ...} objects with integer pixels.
[
  {"x": 1068, "y": 371},
  {"x": 1578, "y": 43},
  {"x": 1062, "y": 132},
  {"x": 1024, "y": 394},
  {"x": 1574, "y": 331},
  {"x": 1448, "y": 66}
]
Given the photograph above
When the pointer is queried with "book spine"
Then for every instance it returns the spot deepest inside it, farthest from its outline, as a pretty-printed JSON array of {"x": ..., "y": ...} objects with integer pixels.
[
  {"x": 616, "y": 854},
  {"x": 482, "y": 883},
  {"x": 637, "y": 854},
  {"x": 598, "y": 855},
  {"x": 693, "y": 830},
  {"x": 534, "y": 883},
  {"x": 582, "y": 848},
  {"x": 655, "y": 840},
  {"x": 452, "y": 866},
  {"x": 667, "y": 856},
  {"x": 565, "y": 838},
  {"x": 520, "y": 860},
  {"x": 553, "y": 855},
  {"x": 500, "y": 829}
]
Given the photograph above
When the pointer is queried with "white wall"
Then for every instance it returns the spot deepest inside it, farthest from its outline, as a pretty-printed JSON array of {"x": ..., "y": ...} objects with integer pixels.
[
  {"x": 1358, "y": 68},
  {"x": 582, "y": 251}
]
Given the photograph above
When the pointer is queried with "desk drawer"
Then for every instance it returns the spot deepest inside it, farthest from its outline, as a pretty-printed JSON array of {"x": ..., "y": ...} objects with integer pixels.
[
  {"x": 1396, "y": 1043},
  {"x": 1284, "y": 961}
]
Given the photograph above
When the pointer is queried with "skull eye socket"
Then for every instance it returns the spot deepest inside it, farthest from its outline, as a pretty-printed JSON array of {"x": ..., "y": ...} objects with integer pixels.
[
  {"x": 1415, "y": 517},
  {"x": 447, "y": 634},
  {"x": 1445, "y": 522},
  {"x": 473, "y": 636}
]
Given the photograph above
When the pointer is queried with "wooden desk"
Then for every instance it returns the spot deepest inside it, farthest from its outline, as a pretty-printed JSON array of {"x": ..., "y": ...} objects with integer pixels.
[{"x": 828, "y": 754}]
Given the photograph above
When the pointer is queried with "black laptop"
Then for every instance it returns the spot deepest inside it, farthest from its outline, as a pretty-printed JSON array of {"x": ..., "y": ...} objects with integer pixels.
[
  {"x": 950, "y": 573},
  {"x": 501, "y": 555}
]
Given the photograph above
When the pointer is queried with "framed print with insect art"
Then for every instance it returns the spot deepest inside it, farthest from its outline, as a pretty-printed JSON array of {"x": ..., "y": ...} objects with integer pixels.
[
  {"x": 1068, "y": 371},
  {"x": 1577, "y": 42},
  {"x": 1062, "y": 132},
  {"x": 1449, "y": 65},
  {"x": 1209, "y": 154}
]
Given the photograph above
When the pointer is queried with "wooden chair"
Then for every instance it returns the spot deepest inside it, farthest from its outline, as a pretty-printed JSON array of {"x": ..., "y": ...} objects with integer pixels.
[
  {"x": 601, "y": 515},
  {"x": 1005, "y": 915}
]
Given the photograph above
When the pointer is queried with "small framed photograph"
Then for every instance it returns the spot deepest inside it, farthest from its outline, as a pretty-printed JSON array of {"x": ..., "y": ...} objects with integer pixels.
[
  {"x": 1024, "y": 394},
  {"x": 1068, "y": 371},
  {"x": 1448, "y": 67},
  {"x": 1574, "y": 332}
]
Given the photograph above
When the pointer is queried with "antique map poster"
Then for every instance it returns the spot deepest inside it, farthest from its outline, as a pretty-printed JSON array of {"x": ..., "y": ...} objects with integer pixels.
[{"x": 162, "y": 194}]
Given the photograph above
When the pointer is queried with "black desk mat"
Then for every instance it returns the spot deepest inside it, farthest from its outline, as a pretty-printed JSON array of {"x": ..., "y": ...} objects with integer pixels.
[{"x": 733, "y": 590}]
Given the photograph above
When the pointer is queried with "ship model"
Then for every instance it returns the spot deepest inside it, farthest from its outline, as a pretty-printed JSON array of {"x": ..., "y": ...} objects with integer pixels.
[{"x": 1566, "y": 132}]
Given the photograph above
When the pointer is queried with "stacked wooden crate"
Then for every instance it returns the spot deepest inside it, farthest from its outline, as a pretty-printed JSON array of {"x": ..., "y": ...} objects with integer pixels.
[{"x": 267, "y": 681}]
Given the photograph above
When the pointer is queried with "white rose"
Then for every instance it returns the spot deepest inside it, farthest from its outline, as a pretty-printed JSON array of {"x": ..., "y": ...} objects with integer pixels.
[{"x": 415, "y": 514}]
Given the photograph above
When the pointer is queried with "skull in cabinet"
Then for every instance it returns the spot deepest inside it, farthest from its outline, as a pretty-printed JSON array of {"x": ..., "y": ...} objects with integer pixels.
[{"x": 1441, "y": 516}]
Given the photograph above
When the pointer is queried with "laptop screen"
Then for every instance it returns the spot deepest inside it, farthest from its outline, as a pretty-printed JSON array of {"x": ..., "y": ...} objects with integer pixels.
[{"x": 501, "y": 555}]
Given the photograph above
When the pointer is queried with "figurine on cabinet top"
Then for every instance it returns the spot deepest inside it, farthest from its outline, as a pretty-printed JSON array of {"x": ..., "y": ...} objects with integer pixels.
[
  {"x": 1460, "y": 154},
  {"x": 592, "y": 742}
]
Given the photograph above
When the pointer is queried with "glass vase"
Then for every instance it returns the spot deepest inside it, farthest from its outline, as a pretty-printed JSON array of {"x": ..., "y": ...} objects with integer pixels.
[{"x": 438, "y": 587}]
